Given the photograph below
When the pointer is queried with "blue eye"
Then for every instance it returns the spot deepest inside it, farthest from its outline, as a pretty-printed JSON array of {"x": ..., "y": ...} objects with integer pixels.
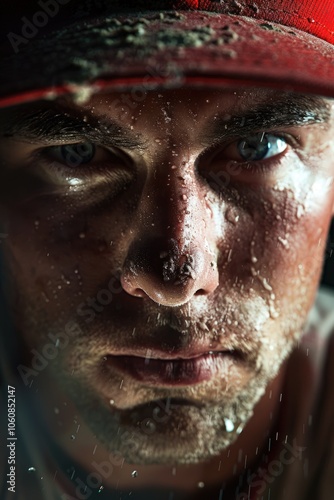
[{"x": 261, "y": 146}]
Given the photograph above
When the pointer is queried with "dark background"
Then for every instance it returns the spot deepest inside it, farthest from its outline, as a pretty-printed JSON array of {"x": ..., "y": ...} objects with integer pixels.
[{"x": 328, "y": 273}]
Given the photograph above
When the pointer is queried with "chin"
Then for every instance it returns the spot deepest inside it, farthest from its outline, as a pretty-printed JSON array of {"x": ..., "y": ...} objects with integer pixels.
[{"x": 183, "y": 434}]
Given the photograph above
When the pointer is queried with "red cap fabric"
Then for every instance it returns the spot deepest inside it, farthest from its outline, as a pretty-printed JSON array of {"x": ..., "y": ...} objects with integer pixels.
[
  {"x": 312, "y": 16},
  {"x": 169, "y": 43}
]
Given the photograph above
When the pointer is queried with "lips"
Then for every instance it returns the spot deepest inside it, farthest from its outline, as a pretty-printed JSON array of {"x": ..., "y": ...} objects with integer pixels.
[{"x": 160, "y": 370}]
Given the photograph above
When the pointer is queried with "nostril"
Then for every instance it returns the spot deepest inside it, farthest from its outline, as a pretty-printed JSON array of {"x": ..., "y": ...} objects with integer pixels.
[
  {"x": 138, "y": 292},
  {"x": 200, "y": 292}
]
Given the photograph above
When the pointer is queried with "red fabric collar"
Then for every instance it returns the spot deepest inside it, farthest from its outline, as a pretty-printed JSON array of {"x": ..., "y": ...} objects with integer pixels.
[{"x": 312, "y": 16}]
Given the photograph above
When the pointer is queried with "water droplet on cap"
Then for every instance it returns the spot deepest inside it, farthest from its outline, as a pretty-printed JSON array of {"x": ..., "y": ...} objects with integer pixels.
[
  {"x": 134, "y": 473},
  {"x": 201, "y": 484},
  {"x": 31, "y": 469}
]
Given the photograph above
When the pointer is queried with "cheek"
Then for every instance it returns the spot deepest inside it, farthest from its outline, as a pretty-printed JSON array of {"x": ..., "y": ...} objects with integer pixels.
[
  {"x": 59, "y": 254},
  {"x": 272, "y": 245},
  {"x": 292, "y": 243}
]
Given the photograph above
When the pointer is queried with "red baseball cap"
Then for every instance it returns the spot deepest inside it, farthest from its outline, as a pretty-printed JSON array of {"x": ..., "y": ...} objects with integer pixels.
[{"x": 66, "y": 46}]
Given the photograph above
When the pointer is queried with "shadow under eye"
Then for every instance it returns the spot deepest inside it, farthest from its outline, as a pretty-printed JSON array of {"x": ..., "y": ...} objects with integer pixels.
[{"x": 17, "y": 187}]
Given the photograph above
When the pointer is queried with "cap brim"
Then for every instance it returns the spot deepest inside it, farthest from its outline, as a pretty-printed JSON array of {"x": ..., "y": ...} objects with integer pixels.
[{"x": 169, "y": 50}]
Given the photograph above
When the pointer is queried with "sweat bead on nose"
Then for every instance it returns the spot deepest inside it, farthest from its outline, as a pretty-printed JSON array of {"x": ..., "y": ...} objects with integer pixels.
[{"x": 171, "y": 257}]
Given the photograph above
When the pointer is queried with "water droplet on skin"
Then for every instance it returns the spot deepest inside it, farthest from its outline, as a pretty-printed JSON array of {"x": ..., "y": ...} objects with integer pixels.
[
  {"x": 56, "y": 410},
  {"x": 283, "y": 242},
  {"x": 232, "y": 216},
  {"x": 149, "y": 424},
  {"x": 65, "y": 280},
  {"x": 300, "y": 211},
  {"x": 101, "y": 488},
  {"x": 229, "y": 425},
  {"x": 73, "y": 436},
  {"x": 82, "y": 236},
  {"x": 112, "y": 402},
  {"x": 272, "y": 310},
  {"x": 45, "y": 297},
  {"x": 265, "y": 283},
  {"x": 201, "y": 484},
  {"x": 134, "y": 473},
  {"x": 31, "y": 469}
]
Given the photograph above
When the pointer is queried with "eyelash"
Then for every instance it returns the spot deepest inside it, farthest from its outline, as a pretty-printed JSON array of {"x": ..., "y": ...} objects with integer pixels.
[{"x": 120, "y": 175}]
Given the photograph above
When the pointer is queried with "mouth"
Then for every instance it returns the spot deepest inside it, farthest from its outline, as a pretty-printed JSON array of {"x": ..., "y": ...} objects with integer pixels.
[{"x": 158, "y": 369}]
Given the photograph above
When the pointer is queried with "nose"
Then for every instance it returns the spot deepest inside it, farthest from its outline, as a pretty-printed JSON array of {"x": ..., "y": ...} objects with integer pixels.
[{"x": 172, "y": 256}]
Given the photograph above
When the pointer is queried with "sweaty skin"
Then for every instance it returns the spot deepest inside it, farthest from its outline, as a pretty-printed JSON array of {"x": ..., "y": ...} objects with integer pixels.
[{"x": 165, "y": 244}]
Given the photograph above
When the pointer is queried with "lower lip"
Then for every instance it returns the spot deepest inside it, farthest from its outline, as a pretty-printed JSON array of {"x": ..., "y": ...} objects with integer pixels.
[{"x": 177, "y": 371}]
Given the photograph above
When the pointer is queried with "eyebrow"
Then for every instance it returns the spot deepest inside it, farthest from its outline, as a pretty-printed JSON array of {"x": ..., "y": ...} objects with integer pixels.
[
  {"x": 51, "y": 125},
  {"x": 286, "y": 111},
  {"x": 55, "y": 124}
]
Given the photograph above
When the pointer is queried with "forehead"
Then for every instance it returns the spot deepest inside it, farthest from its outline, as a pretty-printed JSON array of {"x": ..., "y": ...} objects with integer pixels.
[{"x": 182, "y": 99}]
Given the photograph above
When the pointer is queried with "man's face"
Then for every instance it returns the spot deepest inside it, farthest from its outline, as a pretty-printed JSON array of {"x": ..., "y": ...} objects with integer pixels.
[{"x": 175, "y": 252}]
